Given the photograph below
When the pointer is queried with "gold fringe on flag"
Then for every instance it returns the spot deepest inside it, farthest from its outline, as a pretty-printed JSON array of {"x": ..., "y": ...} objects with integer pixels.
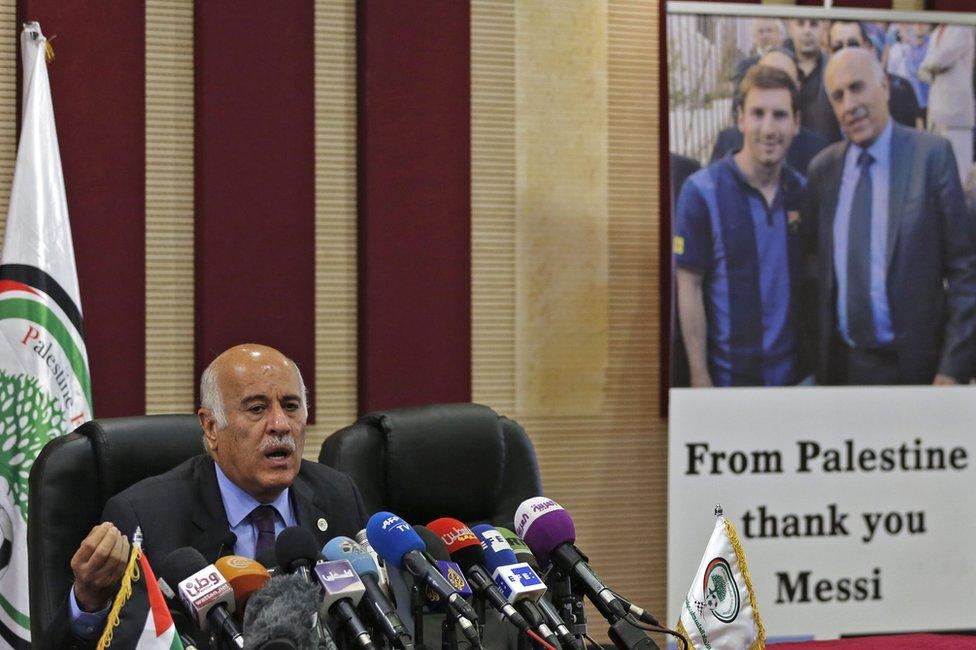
[
  {"x": 49, "y": 49},
  {"x": 680, "y": 629},
  {"x": 125, "y": 592},
  {"x": 760, "y": 642}
]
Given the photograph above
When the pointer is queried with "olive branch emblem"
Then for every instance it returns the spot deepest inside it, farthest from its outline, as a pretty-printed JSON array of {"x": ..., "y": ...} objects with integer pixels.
[{"x": 29, "y": 418}]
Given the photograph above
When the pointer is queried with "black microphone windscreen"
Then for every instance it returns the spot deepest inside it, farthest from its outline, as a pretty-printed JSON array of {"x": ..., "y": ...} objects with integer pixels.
[
  {"x": 281, "y": 612},
  {"x": 435, "y": 545},
  {"x": 267, "y": 559},
  {"x": 468, "y": 556},
  {"x": 296, "y": 546},
  {"x": 182, "y": 623},
  {"x": 181, "y": 564}
]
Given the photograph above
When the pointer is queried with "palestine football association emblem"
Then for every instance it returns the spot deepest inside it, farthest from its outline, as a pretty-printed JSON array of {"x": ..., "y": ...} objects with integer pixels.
[{"x": 721, "y": 591}]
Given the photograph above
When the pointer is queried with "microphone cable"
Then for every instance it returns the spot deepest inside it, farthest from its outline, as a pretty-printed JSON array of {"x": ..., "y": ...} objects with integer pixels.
[
  {"x": 650, "y": 625},
  {"x": 538, "y": 639},
  {"x": 630, "y": 618}
]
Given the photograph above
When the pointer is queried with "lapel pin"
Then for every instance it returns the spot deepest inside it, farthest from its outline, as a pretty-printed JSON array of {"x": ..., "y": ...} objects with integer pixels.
[{"x": 323, "y": 525}]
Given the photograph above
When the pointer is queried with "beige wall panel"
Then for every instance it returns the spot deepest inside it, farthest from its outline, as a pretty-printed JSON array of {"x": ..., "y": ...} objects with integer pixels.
[
  {"x": 8, "y": 104},
  {"x": 170, "y": 328},
  {"x": 561, "y": 206},
  {"x": 607, "y": 469},
  {"x": 335, "y": 220}
]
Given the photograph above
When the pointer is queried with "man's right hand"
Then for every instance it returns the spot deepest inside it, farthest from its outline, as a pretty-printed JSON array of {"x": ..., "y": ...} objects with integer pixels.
[{"x": 98, "y": 565}]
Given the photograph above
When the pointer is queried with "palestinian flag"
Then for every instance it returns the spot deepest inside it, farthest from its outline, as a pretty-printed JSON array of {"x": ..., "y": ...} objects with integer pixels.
[
  {"x": 139, "y": 617},
  {"x": 44, "y": 382}
]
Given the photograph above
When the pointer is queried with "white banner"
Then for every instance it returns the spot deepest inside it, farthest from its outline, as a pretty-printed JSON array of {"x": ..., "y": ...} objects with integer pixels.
[
  {"x": 854, "y": 505},
  {"x": 44, "y": 380}
]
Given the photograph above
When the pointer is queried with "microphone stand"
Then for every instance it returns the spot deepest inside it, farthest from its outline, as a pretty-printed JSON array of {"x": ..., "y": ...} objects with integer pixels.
[
  {"x": 480, "y": 607},
  {"x": 417, "y": 610},
  {"x": 568, "y": 602},
  {"x": 569, "y": 599},
  {"x": 448, "y": 632}
]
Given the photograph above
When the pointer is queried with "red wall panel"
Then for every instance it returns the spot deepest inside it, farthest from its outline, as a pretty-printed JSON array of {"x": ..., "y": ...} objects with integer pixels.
[
  {"x": 98, "y": 87},
  {"x": 255, "y": 179},
  {"x": 414, "y": 202}
]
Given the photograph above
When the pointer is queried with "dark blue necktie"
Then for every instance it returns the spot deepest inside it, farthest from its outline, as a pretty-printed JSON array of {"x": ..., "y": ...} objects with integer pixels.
[
  {"x": 263, "y": 518},
  {"x": 860, "y": 318}
]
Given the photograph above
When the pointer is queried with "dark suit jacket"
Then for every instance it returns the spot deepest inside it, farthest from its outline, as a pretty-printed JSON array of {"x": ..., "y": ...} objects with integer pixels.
[
  {"x": 931, "y": 272},
  {"x": 902, "y": 101},
  {"x": 183, "y": 507}
]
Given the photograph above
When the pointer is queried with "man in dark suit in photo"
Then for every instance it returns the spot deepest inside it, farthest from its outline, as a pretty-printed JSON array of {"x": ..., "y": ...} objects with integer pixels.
[
  {"x": 902, "y": 101},
  {"x": 807, "y": 39},
  {"x": 236, "y": 499},
  {"x": 896, "y": 251}
]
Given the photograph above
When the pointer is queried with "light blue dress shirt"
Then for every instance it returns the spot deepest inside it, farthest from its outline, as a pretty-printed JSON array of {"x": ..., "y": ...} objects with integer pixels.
[
  {"x": 880, "y": 171},
  {"x": 238, "y": 505}
]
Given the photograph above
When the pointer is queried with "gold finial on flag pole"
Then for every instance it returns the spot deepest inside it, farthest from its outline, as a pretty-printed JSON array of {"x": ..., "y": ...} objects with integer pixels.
[{"x": 718, "y": 510}]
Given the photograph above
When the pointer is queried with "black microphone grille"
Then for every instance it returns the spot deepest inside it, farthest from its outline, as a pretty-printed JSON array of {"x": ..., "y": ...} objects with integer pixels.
[
  {"x": 181, "y": 564},
  {"x": 296, "y": 546},
  {"x": 468, "y": 556},
  {"x": 435, "y": 545},
  {"x": 267, "y": 559}
]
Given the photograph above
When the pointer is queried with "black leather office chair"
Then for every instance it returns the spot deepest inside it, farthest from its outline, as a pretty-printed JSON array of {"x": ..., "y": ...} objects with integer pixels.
[
  {"x": 444, "y": 460},
  {"x": 74, "y": 476}
]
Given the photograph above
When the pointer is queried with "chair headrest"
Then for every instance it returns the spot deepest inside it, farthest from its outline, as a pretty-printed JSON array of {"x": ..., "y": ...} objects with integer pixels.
[
  {"x": 445, "y": 459},
  {"x": 128, "y": 450}
]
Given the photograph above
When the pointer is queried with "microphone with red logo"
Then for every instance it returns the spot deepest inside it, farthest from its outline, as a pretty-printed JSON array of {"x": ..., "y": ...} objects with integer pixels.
[
  {"x": 204, "y": 592},
  {"x": 244, "y": 575},
  {"x": 452, "y": 573},
  {"x": 449, "y": 569},
  {"x": 465, "y": 549}
]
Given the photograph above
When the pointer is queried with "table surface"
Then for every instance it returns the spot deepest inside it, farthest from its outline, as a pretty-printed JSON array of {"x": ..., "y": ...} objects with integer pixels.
[{"x": 899, "y": 642}]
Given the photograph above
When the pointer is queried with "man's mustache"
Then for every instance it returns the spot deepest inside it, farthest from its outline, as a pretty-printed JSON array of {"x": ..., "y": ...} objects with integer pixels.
[{"x": 277, "y": 442}]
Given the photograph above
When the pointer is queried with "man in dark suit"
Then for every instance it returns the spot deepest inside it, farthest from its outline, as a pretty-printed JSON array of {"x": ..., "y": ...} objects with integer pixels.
[
  {"x": 896, "y": 251},
  {"x": 252, "y": 484},
  {"x": 902, "y": 102},
  {"x": 806, "y": 40}
]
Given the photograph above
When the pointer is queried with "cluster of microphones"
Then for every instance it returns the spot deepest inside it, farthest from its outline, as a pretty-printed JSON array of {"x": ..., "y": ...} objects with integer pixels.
[{"x": 342, "y": 595}]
